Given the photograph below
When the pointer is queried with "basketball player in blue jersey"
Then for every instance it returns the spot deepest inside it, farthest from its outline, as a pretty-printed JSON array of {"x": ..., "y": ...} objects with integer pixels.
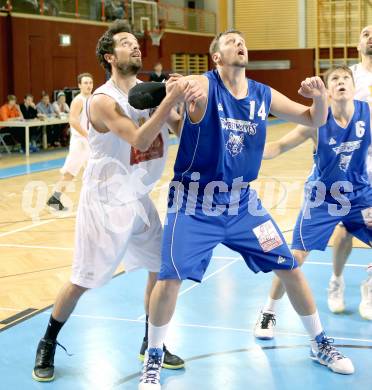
[
  {"x": 210, "y": 200},
  {"x": 338, "y": 189},
  {"x": 342, "y": 240}
]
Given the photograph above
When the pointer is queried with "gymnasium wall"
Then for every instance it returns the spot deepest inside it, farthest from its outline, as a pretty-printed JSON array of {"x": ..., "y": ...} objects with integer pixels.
[
  {"x": 6, "y": 68},
  {"x": 31, "y": 59}
]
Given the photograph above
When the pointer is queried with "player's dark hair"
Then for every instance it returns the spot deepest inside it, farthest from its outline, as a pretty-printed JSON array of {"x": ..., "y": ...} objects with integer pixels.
[{"x": 106, "y": 43}]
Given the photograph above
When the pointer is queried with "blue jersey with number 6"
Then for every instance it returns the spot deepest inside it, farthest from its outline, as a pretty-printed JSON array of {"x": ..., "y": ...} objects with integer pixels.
[{"x": 342, "y": 151}]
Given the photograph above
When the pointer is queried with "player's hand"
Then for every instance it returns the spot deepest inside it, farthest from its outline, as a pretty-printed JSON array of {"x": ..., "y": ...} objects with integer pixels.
[
  {"x": 312, "y": 88},
  {"x": 194, "y": 94},
  {"x": 176, "y": 89}
]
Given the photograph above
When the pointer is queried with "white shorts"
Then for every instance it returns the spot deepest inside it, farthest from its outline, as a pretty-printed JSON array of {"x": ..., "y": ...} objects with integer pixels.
[
  {"x": 107, "y": 235},
  {"x": 78, "y": 155}
]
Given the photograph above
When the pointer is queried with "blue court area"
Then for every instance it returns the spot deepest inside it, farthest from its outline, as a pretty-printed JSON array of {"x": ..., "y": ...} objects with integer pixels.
[{"x": 212, "y": 330}]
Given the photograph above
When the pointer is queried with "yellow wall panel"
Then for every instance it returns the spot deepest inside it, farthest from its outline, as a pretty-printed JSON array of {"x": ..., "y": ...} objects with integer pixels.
[{"x": 269, "y": 24}]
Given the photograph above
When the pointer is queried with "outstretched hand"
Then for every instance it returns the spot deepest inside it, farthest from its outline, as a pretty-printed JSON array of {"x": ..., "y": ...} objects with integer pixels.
[
  {"x": 312, "y": 87},
  {"x": 186, "y": 90}
]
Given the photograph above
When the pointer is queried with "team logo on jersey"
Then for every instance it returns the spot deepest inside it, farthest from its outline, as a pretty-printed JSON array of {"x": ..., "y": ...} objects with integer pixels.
[
  {"x": 239, "y": 125},
  {"x": 235, "y": 144},
  {"x": 332, "y": 141},
  {"x": 344, "y": 162},
  {"x": 347, "y": 147},
  {"x": 220, "y": 108}
]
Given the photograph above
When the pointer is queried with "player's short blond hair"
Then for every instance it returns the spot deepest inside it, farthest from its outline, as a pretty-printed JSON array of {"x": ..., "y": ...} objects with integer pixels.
[
  {"x": 215, "y": 44},
  {"x": 333, "y": 69}
]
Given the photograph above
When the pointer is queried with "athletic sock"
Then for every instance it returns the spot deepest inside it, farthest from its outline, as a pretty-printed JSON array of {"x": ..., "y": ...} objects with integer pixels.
[
  {"x": 57, "y": 195},
  {"x": 157, "y": 335},
  {"x": 338, "y": 279},
  {"x": 270, "y": 305},
  {"x": 53, "y": 329},
  {"x": 147, "y": 328},
  {"x": 312, "y": 324}
]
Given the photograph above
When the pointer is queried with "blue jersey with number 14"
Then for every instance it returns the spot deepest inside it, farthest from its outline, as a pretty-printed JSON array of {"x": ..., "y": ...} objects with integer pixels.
[{"x": 228, "y": 142}]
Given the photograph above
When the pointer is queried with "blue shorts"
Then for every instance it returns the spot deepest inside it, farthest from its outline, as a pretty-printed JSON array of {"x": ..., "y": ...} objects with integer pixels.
[
  {"x": 189, "y": 240},
  {"x": 314, "y": 232}
]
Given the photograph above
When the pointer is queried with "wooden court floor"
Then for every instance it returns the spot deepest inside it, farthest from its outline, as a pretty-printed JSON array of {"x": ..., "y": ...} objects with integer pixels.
[{"x": 36, "y": 245}]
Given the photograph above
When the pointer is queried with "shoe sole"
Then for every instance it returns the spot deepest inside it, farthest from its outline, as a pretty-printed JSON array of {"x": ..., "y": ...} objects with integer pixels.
[
  {"x": 164, "y": 365},
  {"x": 364, "y": 317},
  {"x": 323, "y": 363},
  {"x": 264, "y": 337},
  {"x": 339, "y": 311},
  {"x": 38, "y": 379},
  {"x": 56, "y": 208}
]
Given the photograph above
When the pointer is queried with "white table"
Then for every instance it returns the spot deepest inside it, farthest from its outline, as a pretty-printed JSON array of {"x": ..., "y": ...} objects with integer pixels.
[{"x": 34, "y": 123}]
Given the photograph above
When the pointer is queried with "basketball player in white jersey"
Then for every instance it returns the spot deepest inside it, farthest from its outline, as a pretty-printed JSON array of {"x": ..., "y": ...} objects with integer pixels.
[
  {"x": 78, "y": 153},
  {"x": 362, "y": 73},
  {"x": 116, "y": 219}
]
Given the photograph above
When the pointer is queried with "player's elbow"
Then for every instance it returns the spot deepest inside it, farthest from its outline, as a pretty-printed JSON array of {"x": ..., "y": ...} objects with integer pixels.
[{"x": 141, "y": 143}]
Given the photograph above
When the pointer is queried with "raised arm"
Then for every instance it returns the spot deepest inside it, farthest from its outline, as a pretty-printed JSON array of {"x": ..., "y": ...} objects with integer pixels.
[
  {"x": 292, "y": 139},
  {"x": 289, "y": 110},
  {"x": 106, "y": 115},
  {"x": 197, "y": 108},
  {"x": 74, "y": 116}
]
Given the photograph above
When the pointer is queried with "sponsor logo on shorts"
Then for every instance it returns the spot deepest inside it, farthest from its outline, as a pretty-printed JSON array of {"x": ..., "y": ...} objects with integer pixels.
[{"x": 268, "y": 236}]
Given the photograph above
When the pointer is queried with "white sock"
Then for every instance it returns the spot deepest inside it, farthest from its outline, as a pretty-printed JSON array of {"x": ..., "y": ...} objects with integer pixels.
[
  {"x": 270, "y": 305},
  {"x": 157, "y": 335},
  {"x": 312, "y": 324},
  {"x": 338, "y": 279}
]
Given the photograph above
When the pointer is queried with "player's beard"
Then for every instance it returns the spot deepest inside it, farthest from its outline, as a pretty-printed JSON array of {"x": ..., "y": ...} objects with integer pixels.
[
  {"x": 130, "y": 68},
  {"x": 368, "y": 51},
  {"x": 237, "y": 63}
]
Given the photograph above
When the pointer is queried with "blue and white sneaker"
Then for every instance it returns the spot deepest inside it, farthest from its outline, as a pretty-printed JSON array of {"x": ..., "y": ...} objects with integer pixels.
[
  {"x": 323, "y": 352},
  {"x": 150, "y": 379}
]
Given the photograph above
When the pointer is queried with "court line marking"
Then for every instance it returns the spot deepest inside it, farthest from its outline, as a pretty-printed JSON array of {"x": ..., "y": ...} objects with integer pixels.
[
  {"x": 36, "y": 247},
  {"x": 9, "y": 309},
  {"x": 141, "y": 317},
  {"x": 27, "y": 227},
  {"x": 211, "y": 327}
]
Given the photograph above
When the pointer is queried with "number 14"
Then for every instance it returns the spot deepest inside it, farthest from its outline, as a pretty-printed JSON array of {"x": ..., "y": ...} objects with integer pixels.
[{"x": 261, "y": 112}]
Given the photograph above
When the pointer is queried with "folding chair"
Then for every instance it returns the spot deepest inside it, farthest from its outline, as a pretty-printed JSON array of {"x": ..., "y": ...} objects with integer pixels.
[{"x": 2, "y": 142}]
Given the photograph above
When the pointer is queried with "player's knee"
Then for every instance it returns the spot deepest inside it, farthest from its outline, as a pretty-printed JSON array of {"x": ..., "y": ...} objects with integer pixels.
[
  {"x": 300, "y": 256},
  {"x": 342, "y": 234},
  {"x": 76, "y": 290},
  {"x": 168, "y": 287}
]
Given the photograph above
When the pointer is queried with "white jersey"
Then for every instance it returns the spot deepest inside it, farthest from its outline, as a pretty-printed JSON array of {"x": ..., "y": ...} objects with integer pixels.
[
  {"x": 83, "y": 116},
  {"x": 363, "y": 91},
  {"x": 115, "y": 166},
  {"x": 363, "y": 83}
]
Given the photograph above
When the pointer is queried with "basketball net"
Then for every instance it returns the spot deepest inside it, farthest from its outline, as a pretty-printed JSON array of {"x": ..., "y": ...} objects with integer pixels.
[{"x": 156, "y": 36}]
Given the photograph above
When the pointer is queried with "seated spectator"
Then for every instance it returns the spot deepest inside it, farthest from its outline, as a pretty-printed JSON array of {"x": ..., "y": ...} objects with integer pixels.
[
  {"x": 28, "y": 107},
  {"x": 114, "y": 9},
  {"x": 62, "y": 110},
  {"x": 29, "y": 112},
  {"x": 10, "y": 111},
  {"x": 45, "y": 108},
  {"x": 46, "y": 111},
  {"x": 60, "y": 106},
  {"x": 157, "y": 74}
]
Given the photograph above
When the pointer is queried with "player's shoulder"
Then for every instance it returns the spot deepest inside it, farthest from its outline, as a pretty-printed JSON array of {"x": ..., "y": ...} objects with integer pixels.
[{"x": 355, "y": 68}]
